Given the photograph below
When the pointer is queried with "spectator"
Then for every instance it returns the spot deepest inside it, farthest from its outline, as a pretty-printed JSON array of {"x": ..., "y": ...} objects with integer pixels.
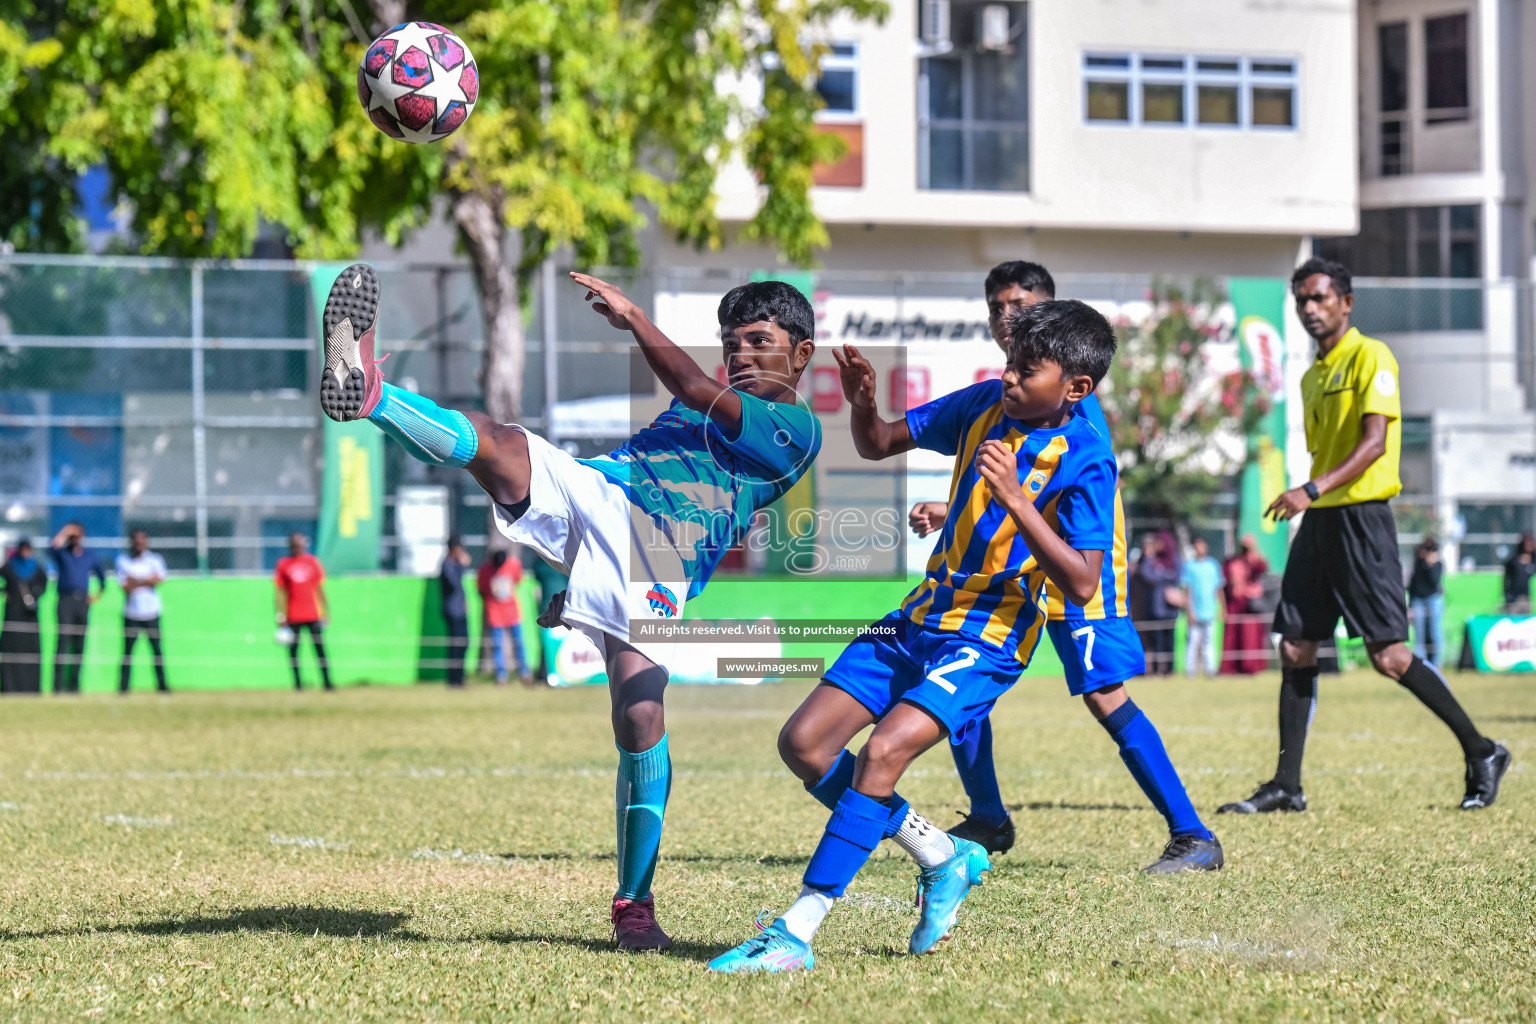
[
  {"x": 76, "y": 564},
  {"x": 1158, "y": 571},
  {"x": 1245, "y": 638},
  {"x": 1201, "y": 580},
  {"x": 21, "y": 648},
  {"x": 450, "y": 579},
  {"x": 139, "y": 572},
  {"x": 1426, "y": 601},
  {"x": 301, "y": 604},
  {"x": 552, "y": 583},
  {"x": 499, "y": 578},
  {"x": 1517, "y": 577}
]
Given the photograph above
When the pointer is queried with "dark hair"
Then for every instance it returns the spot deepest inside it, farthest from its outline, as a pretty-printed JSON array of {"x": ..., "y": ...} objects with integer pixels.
[
  {"x": 1428, "y": 544},
  {"x": 498, "y": 558},
  {"x": 1335, "y": 271},
  {"x": 774, "y": 301},
  {"x": 1032, "y": 277},
  {"x": 454, "y": 541},
  {"x": 1067, "y": 332}
]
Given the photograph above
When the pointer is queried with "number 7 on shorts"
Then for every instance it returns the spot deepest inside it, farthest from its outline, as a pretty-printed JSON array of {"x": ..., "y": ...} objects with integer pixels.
[{"x": 1086, "y": 631}]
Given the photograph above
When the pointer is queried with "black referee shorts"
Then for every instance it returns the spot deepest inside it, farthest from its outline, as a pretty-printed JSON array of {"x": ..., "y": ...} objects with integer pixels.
[{"x": 1344, "y": 562}]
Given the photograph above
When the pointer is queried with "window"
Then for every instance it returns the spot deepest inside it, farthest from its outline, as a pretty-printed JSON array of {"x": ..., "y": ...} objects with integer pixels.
[
  {"x": 1218, "y": 92},
  {"x": 973, "y": 106},
  {"x": 839, "y": 83},
  {"x": 1446, "y": 88},
  {"x": 1417, "y": 241},
  {"x": 1392, "y": 98}
]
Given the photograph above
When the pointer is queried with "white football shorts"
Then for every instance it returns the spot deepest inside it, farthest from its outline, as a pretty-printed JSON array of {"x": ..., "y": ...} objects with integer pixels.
[{"x": 620, "y": 567}]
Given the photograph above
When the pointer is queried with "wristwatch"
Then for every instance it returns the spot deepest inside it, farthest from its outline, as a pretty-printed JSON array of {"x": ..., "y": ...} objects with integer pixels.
[{"x": 1311, "y": 489}]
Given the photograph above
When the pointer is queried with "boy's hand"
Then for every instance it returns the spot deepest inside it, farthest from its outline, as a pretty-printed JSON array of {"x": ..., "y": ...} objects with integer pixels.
[
  {"x": 611, "y": 302},
  {"x": 927, "y": 516},
  {"x": 999, "y": 467},
  {"x": 858, "y": 377}
]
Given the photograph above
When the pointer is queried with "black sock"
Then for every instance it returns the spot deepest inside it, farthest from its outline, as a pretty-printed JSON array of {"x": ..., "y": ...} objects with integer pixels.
[
  {"x": 1298, "y": 700},
  {"x": 1431, "y": 688}
]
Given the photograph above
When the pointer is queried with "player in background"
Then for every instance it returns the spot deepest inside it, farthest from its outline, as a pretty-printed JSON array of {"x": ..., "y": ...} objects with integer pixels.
[
  {"x": 638, "y": 531},
  {"x": 1099, "y": 649},
  {"x": 1033, "y": 490}
]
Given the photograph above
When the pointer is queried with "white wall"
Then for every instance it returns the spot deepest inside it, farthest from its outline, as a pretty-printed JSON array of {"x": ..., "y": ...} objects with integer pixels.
[{"x": 1114, "y": 177}]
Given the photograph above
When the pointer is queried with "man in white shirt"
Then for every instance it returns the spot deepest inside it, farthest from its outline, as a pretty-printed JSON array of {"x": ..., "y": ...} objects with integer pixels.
[{"x": 139, "y": 572}]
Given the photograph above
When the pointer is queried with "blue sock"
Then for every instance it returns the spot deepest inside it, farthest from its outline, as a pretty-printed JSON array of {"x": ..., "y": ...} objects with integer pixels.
[
  {"x": 857, "y": 825},
  {"x": 1141, "y": 748},
  {"x": 645, "y": 782},
  {"x": 432, "y": 434},
  {"x": 973, "y": 760},
  {"x": 836, "y": 782},
  {"x": 838, "y": 778}
]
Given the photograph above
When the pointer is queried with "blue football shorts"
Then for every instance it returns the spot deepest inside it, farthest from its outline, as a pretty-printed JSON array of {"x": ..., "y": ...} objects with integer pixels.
[
  {"x": 1096, "y": 653},
  {"x": 954, "y": 678}
]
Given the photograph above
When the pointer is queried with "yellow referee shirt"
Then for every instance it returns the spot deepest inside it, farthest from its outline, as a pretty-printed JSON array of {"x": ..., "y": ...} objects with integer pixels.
[{"x": 1356, "y": 379}]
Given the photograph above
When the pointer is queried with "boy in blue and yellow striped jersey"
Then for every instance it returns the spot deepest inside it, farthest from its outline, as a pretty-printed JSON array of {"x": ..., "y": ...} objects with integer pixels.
[
  {"x": 1099, "y": 648},
  {"x": 1032, "y": 498}
]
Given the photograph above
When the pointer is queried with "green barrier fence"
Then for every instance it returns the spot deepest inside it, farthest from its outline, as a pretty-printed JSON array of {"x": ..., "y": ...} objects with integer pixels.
[{"x": 218, "y": 631}]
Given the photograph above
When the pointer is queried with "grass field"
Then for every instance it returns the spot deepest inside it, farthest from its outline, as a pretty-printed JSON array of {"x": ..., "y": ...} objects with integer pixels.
[{"x": 423, "y": 855}]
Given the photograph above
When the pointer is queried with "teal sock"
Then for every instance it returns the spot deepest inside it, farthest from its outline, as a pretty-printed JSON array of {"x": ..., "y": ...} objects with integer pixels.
[
  {"x": 645, "y": 782},
  {"x": 441, "y": 437}
]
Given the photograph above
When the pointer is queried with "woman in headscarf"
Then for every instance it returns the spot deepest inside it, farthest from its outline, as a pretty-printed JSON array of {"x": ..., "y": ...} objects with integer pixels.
[
  {"x": 21, "y": 649},
  {"x": 1245, "y": 638}
]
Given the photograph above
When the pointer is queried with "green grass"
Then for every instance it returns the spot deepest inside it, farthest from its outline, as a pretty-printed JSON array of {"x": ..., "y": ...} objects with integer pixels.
[{"x": 162, "y": 858}]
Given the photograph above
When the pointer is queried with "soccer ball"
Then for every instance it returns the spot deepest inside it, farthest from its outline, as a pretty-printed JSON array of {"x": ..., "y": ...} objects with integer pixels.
[{"x": 418, "y": 82}]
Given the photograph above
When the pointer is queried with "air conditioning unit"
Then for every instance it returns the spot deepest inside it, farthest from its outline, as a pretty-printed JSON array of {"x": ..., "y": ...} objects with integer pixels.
[
  {"x": 933, "y": 27},
  {"x": 993, "y": 31}
]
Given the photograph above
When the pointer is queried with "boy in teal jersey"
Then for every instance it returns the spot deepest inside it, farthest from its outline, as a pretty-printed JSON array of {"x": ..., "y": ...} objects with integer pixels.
[
  {"x": 1033, "y": 498},
  {"x": 1099, "y": 649},
  {"x": 638, "y": 531}
]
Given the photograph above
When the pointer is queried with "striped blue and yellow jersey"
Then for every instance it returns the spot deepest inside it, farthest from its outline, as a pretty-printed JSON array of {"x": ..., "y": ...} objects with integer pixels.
[
  {"x": 982, "y": 582},
  {"x": 1112, "y": 600}
]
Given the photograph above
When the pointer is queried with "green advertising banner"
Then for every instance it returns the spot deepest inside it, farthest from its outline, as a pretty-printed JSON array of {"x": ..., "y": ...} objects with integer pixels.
[
  {"x": 1258, "y": 304},
  {"x": 1501, "y": 643},
  {"x": 352, "y": 491}
]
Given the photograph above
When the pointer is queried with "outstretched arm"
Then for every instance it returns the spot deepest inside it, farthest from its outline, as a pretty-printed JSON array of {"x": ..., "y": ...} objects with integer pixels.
[
  {"x": 873, "y": 437},
  {"x": 1075, "y": 572},
  {"x": 676, "y": 369}
]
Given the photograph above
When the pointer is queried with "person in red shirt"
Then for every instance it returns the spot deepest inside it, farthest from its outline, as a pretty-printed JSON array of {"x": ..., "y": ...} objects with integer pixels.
[
  {"x": 498, "y": 582},
  {"x": 301, "y": 604}
]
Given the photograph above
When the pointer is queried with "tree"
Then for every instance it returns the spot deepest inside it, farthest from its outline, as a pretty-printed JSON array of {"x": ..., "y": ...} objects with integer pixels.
[
  {"x": 1178, "y": 424},
  {"x": 216, "y": 117}
]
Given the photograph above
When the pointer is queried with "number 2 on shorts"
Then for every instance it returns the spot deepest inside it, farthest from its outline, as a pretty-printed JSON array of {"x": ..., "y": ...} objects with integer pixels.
[
  {"x": 967, "y": 658},
  {"x": 1087, "y": 647}
]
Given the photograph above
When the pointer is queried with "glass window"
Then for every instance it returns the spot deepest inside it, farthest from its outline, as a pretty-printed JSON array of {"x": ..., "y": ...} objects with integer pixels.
[
  {"x": 838, "y": 84},
  {"x": 1218, "y": 105},
  {"x": 1219, "y": 65},
  {"x": 973, "y": 110},
  {"x": 1445, "y": 69},
  {"x": 1162, "y": 63},
  {"x": 1109, "y": 101},
  {"x": 837, "y": 92},
  {"x": 1274, "y": 106},
  {"x": 1274, "y": 67},
  {"x": 1098, "y": 60},
  {"x": 1162, "y": 103},
  {"x": 1392, "y": 71}
]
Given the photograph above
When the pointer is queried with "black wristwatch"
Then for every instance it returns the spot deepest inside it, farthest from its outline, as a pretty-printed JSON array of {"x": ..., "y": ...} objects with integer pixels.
[{"x": 1311, "y": 489}]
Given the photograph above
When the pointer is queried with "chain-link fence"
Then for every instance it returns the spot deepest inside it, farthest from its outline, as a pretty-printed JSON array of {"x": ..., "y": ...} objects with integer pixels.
[{"x": 177, "y": 396}]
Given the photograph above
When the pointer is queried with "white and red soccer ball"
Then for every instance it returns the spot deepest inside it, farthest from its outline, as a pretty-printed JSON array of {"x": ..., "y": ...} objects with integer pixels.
[{"x": 418, "y": 82}]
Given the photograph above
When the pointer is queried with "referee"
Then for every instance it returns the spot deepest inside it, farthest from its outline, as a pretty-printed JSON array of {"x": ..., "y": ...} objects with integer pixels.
[{"x": 1344, "y": 560}]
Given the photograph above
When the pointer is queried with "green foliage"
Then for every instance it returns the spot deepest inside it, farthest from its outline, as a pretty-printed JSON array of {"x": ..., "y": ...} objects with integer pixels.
[
  {"x": 1179, "y": 427},
  {"x": 217, "y": 117}
]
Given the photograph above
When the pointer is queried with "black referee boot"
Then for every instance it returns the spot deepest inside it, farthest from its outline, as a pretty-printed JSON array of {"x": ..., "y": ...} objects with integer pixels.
[
  {"x": 1483, "y": 775},
  {"x": 992, "y": 838},
  {"x": 1269, "y": 797}
]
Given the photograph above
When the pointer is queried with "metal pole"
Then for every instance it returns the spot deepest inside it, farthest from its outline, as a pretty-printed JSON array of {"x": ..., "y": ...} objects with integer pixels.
[
  {"x": 551, "y": 360},
  {"x": 199, "y": 434}
]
